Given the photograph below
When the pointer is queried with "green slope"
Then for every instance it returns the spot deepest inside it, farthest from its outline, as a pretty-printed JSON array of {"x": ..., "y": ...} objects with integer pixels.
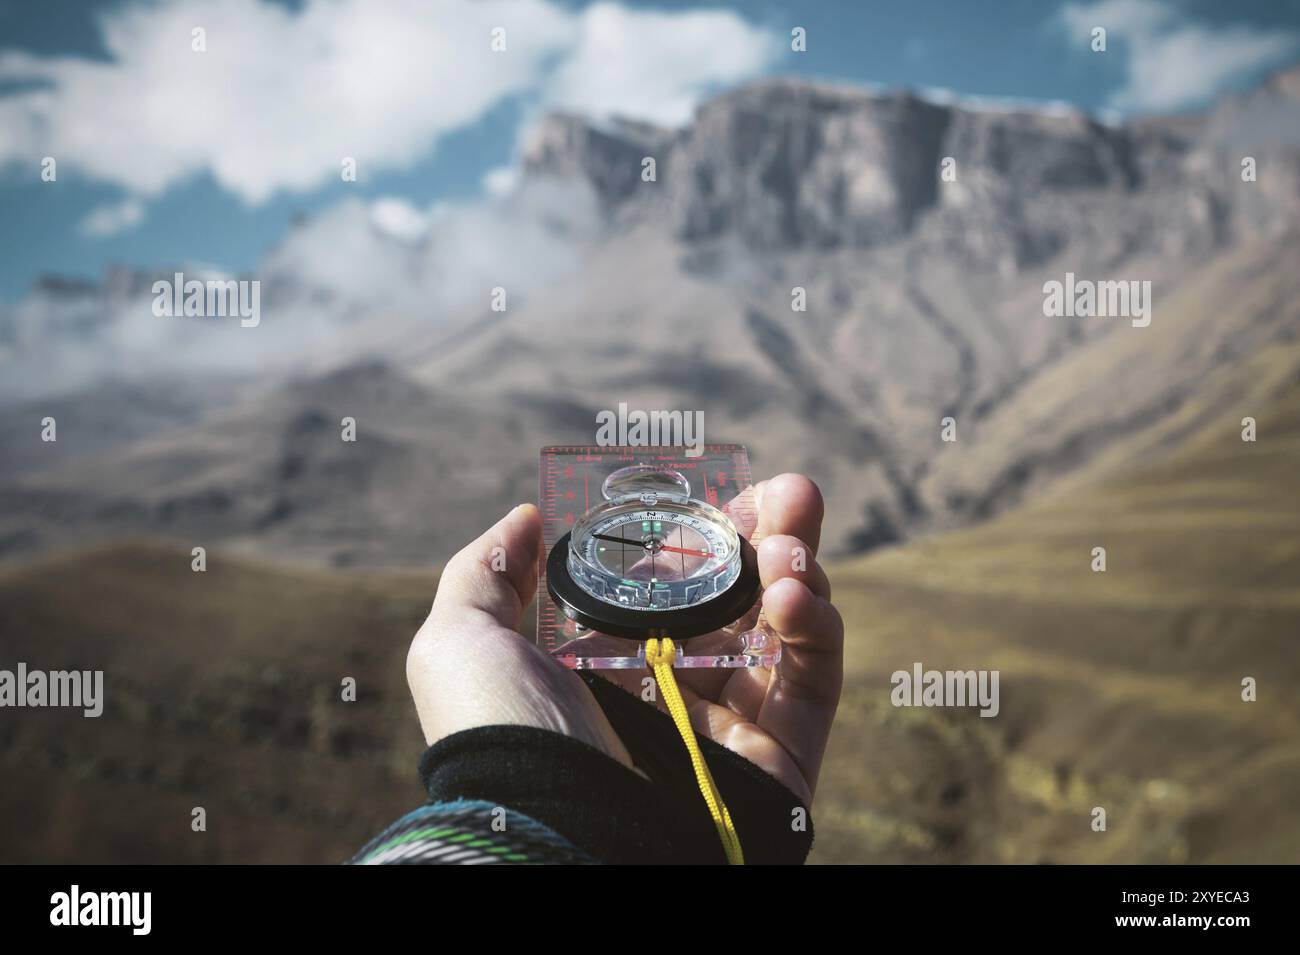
[
  {"x": 1119, "y": 689},
  {"x": 223, "y": 690}
]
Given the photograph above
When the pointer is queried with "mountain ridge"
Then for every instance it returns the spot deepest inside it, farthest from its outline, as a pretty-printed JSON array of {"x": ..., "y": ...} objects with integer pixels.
[{"x": 924, "y": 303}]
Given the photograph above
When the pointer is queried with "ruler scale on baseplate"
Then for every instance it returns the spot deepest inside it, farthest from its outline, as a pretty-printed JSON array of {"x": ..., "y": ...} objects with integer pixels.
[{"x": 648, "y": 541}]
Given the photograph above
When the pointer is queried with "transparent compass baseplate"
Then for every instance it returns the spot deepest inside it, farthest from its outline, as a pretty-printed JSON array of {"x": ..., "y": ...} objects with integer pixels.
[
  {"x": 653, "y": 554},
  {"x": 745, "y": 643}
]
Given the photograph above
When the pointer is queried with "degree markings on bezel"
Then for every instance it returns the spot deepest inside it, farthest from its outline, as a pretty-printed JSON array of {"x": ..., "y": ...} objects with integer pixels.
[{"x": 708, "y": 546}]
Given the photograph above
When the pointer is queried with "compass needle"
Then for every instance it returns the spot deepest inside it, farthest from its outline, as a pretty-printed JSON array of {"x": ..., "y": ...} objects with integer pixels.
[
  {"x": 688, "y": 551},
  {"x": 681, "y": 539}
]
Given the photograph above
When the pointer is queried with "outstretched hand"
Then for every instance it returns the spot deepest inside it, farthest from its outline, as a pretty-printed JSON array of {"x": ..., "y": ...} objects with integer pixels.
[{"x": 469, "y": 666}]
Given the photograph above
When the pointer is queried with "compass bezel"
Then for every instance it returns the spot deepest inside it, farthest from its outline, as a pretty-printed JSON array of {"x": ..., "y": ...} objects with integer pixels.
[{"x": 680, "y": 623}]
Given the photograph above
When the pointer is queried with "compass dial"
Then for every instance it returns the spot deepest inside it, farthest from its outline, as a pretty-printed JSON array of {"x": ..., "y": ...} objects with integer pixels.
[
  {"x": 654, "y": 553},
  {"x": 653, "y": 563}
]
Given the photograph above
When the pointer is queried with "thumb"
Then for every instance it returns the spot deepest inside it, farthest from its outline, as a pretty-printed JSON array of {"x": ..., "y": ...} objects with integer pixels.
[{"x": 496, "y": 574}]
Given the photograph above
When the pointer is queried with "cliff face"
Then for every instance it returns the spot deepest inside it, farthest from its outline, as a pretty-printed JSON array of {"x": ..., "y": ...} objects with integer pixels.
[{"x": 788, "y": 164}]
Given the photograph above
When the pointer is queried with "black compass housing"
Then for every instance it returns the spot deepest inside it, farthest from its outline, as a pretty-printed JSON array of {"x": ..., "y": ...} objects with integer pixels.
[{"x": 679, "y": 624}]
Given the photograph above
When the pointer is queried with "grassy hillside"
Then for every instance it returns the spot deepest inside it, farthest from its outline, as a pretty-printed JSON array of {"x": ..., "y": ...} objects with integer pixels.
[
  {"x": 223, "y": 690},
  {"x": 1119, "y": 690}
]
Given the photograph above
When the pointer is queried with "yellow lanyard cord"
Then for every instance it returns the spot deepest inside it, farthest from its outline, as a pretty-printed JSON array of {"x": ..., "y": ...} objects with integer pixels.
[{"x": 661, "y": 655}]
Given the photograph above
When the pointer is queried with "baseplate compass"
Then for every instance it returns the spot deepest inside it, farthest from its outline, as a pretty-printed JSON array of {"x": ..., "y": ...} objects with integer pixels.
[{"x": 649, "y": 559}]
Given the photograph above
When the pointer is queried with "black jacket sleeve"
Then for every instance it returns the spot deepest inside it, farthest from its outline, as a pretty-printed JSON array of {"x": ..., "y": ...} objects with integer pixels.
[{"x": 609, "y": 812}]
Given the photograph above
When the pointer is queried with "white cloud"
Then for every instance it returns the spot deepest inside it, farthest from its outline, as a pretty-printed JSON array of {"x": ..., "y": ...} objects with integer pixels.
[
  {"x": 1127, "y": 16},
  {"x": 1173, "y": 63},
  {"x": 347, "y": 253},
  {"x": 399, "y": 219},
  {"x": 280, "y": 98},
  {"x": 655, "y": 66},
  {"x": 107, "y": 220},
  {"x": 500, "y": 180},
  {"x": 359, "y": 278},
  {"x": 389, "y": 256},
  {"x": 1190, "y": 65}
]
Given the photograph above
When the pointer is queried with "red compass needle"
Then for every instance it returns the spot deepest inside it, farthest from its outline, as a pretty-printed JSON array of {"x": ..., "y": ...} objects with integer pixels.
[{"x": 683, "y": 550}]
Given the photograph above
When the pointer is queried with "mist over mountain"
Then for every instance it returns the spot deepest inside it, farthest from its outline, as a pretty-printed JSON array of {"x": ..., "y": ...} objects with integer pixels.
[{"x": 924, "y": 301}]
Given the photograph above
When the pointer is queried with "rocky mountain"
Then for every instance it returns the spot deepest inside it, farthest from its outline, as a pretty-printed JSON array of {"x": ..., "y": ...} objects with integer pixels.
[{"x": 919, "y": 233}]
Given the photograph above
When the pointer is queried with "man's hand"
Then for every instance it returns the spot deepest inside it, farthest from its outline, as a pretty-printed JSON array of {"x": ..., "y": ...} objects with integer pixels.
[{"x": 469, "y": 666}]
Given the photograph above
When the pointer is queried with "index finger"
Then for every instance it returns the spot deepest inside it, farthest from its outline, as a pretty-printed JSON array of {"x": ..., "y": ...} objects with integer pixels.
[{"x": 790, "y": 504}]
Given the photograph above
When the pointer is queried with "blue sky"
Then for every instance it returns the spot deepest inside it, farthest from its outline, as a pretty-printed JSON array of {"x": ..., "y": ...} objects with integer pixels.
[{"x": 152, "y": 139}]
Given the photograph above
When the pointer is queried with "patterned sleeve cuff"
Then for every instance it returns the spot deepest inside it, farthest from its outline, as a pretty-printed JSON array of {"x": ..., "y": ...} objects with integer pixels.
[{"x": 467, "y": 832}]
